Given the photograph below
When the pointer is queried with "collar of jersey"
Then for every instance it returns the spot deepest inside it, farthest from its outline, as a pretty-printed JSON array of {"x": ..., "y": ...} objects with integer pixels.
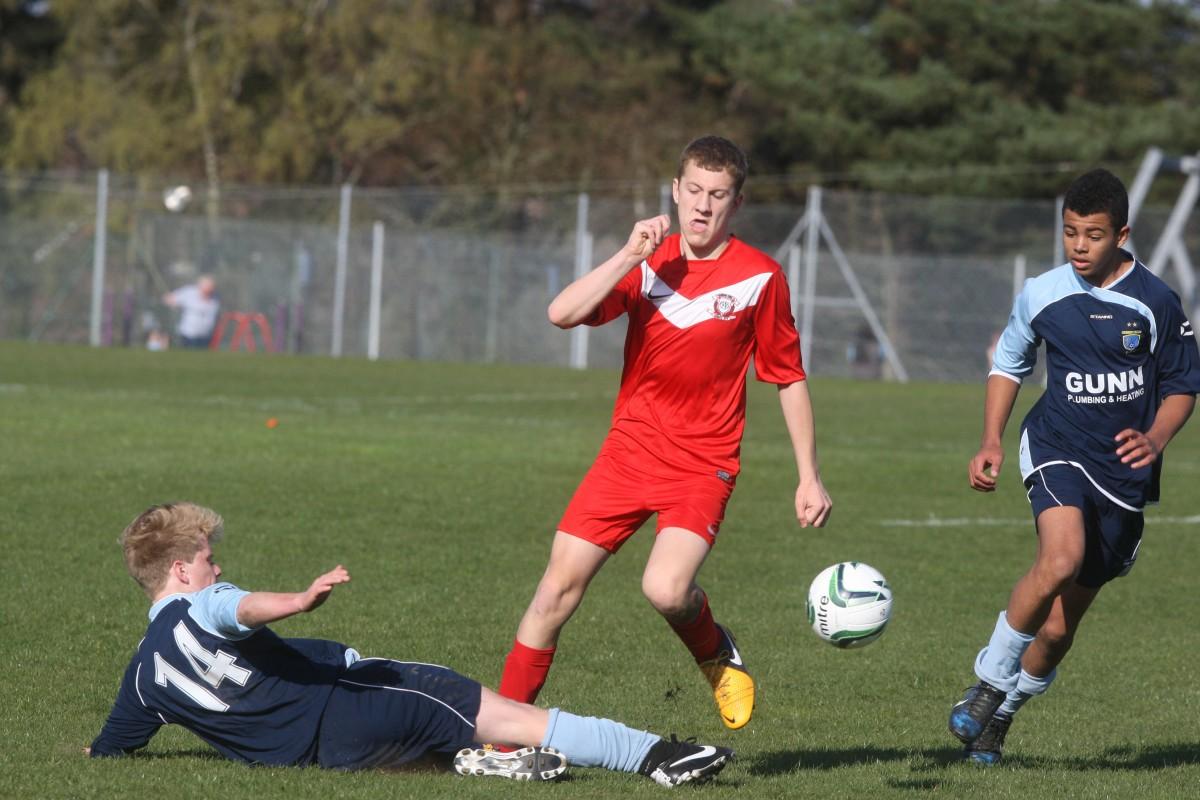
[{"x": 1112, "y": 286}]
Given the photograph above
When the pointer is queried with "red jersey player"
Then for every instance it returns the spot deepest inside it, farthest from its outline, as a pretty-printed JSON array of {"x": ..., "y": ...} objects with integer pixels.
[{"x": 700, "y": 304}]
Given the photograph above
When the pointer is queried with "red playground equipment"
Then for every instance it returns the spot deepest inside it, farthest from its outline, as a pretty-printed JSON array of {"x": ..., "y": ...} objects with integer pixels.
[{"x": 244, "y": 324}]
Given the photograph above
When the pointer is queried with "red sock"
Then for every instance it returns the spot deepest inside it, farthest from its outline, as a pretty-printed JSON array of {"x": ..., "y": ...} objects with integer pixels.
[
  {"x": 700, "y": 636},
  {"x": 525, "y": 672}
]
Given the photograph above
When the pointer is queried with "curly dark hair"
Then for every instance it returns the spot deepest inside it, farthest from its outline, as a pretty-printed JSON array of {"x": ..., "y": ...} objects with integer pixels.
[{"x": 1099, "y": 191}]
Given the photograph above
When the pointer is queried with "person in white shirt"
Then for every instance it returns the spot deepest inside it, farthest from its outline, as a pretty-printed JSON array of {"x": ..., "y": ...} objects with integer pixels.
[{"x": 198, "y": 305}]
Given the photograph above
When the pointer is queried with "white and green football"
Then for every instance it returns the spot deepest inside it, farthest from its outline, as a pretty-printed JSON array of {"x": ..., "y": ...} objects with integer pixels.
[{"x": 849, "y": 604}]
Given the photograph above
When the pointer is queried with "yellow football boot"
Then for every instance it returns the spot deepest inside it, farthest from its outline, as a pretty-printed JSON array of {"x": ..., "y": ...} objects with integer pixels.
[{"x": 732, "y": 686}]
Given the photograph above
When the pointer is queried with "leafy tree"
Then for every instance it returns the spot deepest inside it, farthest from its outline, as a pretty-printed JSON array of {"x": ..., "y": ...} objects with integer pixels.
[
  {"x": 958, "y": 91},
  {"x": 945, "y": 95}
]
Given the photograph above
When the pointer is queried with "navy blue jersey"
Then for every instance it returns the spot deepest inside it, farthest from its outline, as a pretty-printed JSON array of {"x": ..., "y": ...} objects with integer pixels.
[
  {"x": 252, "y": 695},
  {"x": 1112, "y": 355}
]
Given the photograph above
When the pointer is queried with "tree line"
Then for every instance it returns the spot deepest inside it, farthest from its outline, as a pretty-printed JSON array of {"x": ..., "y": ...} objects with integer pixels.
[{"x": 988, "y": 98}]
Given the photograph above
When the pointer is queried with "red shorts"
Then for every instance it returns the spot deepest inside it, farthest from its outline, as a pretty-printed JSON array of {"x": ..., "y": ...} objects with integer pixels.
[{"x": 614, "y": 499}]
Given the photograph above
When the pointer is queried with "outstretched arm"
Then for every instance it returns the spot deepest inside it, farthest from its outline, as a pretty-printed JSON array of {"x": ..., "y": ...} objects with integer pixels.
[
  {"x": 261, "y": 608},
  {"x": 997, "y": 407},
  {"x": 575, "y": 303},
  {"x": 812, "y": 501}
]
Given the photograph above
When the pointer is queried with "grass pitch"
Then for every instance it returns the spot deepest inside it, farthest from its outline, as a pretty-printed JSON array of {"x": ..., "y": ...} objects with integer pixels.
[{"x": 438, "y": 486}]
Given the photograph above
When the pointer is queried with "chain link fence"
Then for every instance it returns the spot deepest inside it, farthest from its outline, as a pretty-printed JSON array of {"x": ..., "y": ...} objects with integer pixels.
[{"x": 467, "y": 275}]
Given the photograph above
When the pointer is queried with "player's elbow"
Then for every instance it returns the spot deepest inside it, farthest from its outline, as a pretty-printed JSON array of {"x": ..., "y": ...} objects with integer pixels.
[{"x": 560, "y": 317}]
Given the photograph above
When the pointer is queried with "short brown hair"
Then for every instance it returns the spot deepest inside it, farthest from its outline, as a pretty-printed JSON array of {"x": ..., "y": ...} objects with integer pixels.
[
  {"x": 164, "y": 534},
  {"x": 716, "y": 153}
]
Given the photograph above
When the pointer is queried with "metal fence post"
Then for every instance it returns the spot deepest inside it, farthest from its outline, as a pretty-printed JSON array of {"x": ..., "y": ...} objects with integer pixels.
[
  {"x": 583, "y": 259},
  {"x": 1060, "y": 256},
  {"x": 793, "y": 278},
  {"x": 99, "y": 249},
  {"x": 376, "y": 291},
  {"x": 339, "y": 280},
  {"x": 491, "y": 335},
  {"x": 810, "y": 274}
]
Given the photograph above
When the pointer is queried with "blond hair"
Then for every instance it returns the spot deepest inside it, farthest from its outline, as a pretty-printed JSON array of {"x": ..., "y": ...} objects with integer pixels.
[{"x": 164, "y": 534}]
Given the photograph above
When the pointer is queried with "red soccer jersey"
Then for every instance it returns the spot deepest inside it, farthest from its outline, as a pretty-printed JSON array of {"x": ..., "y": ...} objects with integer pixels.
[{"x": 692, "y": 329}]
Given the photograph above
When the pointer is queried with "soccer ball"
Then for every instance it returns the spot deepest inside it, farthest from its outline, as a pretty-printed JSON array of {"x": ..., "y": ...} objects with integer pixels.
[
  {"x": 176, "y": 199},
  {"x": 849, "y": 604}
]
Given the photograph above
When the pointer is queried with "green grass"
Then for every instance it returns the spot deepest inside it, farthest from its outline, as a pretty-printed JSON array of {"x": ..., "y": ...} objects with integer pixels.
[{"x": 439, "y": 486}]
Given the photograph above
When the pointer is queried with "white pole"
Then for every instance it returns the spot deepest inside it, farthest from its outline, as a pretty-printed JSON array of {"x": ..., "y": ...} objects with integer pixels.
[
  {"x": 864, "y": 303},
  {"x": 339, "y": 280},
  {"x": 664, "y": 198},
  {"x": 1151, "y": 162},
  {"x": 376, "y": 291},
  {"x": 583, "y": 263},
  {"x": 1177, "y": 222},
  {"x": 99, "y": 249},
  {"x": 793, "y": 276},
  {"x": 1018, "y": 274},
  {"x": 812, "y": 231},
  {"x": 1060, "y": 257},
  {"x": 491, "y": 334}
]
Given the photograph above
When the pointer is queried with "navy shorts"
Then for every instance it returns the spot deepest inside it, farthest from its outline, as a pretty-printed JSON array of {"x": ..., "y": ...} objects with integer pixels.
[
  {"x": 1112, "y": 534},
  {"x": 385, "y": 713}
]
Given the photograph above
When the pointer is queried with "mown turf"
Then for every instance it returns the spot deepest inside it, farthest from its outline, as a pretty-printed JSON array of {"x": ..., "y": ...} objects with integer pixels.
[{"x": 439, "y": 485}]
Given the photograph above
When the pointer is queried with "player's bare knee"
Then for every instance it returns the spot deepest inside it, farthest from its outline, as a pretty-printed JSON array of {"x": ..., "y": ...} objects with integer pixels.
[
  {"x": 669, "y": 598},
  {"x": 1056, "y": 574}
]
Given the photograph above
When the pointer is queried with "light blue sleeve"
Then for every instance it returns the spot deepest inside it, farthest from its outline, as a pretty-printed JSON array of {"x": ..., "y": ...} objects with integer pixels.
[
  {"x": 1016, "y": 350},
  {"x": 215, "y": 610}
]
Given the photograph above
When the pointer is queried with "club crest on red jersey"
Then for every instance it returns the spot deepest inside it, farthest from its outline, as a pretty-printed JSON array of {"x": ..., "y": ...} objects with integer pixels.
[{"x": 724, "y": 306}]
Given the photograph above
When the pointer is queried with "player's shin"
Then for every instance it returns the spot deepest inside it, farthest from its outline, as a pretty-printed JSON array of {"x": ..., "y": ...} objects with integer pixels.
[
  {"x": 1000, "y": 662},
  {"x": 525, "y": 671},
  {"x": 597, "y": 742},
  {"x": 1027, "y": 686},
  {"x": 699, "y": 635}
]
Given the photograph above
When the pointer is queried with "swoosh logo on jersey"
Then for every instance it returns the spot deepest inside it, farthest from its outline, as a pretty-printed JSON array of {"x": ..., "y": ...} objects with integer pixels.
[
  {"x": 658, "y": 288},
  {"x": 705, "y": 751}
]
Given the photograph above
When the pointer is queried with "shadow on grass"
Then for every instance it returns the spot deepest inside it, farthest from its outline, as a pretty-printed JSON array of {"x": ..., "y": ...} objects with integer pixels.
[
  {"x": 784, "y": 761},
  {"x": 1116, "y": 759},
  {"x": 1158, "y": 756}
]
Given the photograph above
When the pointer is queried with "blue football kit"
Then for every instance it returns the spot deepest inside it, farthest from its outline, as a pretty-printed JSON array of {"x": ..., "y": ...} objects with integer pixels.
[
  {"x": 262, "y": 699},
  {"x": 1112, "y": 355}
]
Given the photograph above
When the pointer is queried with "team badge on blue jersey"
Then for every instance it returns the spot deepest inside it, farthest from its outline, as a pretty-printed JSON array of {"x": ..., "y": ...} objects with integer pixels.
[{"x": 1130, "y": 340}]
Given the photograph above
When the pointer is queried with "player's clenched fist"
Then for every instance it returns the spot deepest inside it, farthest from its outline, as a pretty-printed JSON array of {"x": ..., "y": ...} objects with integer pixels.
[
  {"x": 985, "y": 468},
  {"x": 647, "y": 235}
]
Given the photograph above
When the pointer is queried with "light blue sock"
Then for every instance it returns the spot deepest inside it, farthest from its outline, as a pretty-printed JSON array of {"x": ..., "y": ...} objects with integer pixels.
[
  {"x": 596, "y": 742},
  {"x": 1027, "y": 687},
  {"x": 1000, "y": 662}
]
